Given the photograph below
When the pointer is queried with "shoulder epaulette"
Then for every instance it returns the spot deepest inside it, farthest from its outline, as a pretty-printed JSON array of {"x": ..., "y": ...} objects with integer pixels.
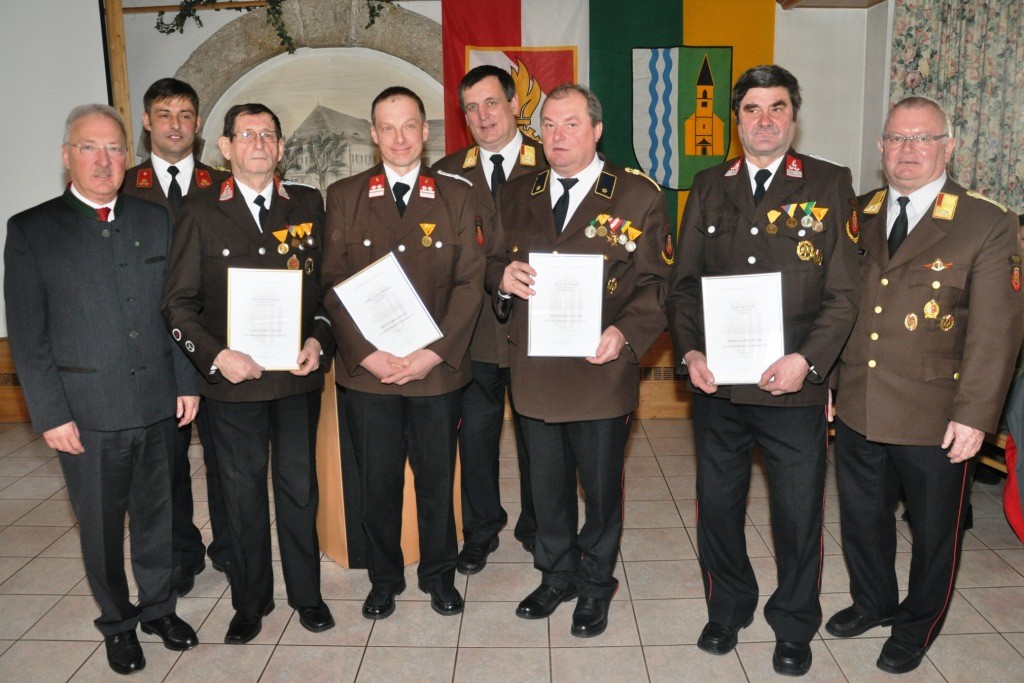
[
  {"x": 978, "y": 195},
  {"x": 456, "y": 176},
  {"x": 295, "y": 183},
  {"x": 640, "y": 173}
]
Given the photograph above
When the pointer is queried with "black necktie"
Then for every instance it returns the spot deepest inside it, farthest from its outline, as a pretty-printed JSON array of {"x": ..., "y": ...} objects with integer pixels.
[
  {"x": 497, "y": 173},
  {"x": 899, "y": 226},
  {"x": 561, "y": 207},
  {"x": 761, "y": 177},
  {"x": 261, "y": 201},
  {"x": 400, "y": 189},
  {"x": 174, "y": 190}
]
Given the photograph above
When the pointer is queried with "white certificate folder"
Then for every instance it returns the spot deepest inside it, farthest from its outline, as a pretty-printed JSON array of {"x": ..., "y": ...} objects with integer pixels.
[
  {"x": 265, "y": 315},
  {"x": 743, "y": 327},
  {"x": 565, "y": 312},
  {"x": 386, "y": 308}
]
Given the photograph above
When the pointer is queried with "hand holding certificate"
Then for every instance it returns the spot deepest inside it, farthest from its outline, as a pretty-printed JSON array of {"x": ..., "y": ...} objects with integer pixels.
[
  {"x": 742, "y": 325},
  {"x": 264, "y": 315},
  {"x": 386, "y": 308},
  {"x": 565, "y": 312}
]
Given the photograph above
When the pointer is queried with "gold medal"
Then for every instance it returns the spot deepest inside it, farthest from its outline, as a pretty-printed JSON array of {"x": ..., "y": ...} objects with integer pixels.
[
  {"x": 946, "y": 324},
  {"x": 910, "y": 322},
  {"x": 295, "y": 242},
  {"x": 282, "y": 248},
  {"x": 791, "y": 222},
  {"x": 426, "y": 241},
  {"x": 805, "y": 250},
  {"x": 602, "y": 231},
  {"x": 771, "y": 229},
  {"x": 293, "y": 262},
  {"x": 818, "y": 226},
  {"x": 931, "y": 309},
  {"x": 612, "y": 285}
]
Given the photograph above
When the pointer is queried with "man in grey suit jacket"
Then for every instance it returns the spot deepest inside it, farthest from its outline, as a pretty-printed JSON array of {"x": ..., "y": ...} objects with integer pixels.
[{"x": 103, "y": 382}]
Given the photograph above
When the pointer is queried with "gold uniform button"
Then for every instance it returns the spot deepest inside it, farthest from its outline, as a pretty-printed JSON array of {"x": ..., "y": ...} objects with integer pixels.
[
  {"x": 885, "y": 282},
  {"x": 956, "y": 375},
  {"x": 936, "y": 284},
  {"x": 874, "y": 336},
  {"x": 871, "y": 364},
  {"x": 878, "y": 309}
]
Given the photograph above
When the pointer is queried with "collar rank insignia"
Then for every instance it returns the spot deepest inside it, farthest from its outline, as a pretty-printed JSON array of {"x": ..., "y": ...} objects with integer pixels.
[
  {"x": 734, "y": 169},
  {"x": 945, "y": 206},
  {"x": 794, "y": 167},
  {"x": 428, "y": 188},
  {"x": 377, "y": 183},
  {"x": 875, "y": 205},
  {"x": 853, "y": 227},
  {"x": 541, "y": 183},
  {"x": 978, "y": 195},
  {"x": 668, "y": 254},
  {"x": 144, "y": 178},
  {"x": 472, "y": 155},
  {"x": 527, "y": 156},
  {"x": 281, "y": 192},
  {"x": 938, "y": 264},
  {"x": 1015, "y": 272},
  {"x": 203, "y": 178},
  {"x": 605, "y": 186},
  {"x": 227, "y": 189}
]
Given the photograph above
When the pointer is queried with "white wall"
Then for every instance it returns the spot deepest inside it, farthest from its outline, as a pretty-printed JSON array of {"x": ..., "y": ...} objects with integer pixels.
[{"x": 52, "y": 52}]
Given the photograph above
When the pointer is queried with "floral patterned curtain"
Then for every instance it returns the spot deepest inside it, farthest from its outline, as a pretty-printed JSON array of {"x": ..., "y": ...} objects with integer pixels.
[{"x": 969, "y": 55}]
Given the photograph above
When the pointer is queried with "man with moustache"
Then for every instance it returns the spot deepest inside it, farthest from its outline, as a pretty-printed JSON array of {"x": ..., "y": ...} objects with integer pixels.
[
  {"x": 922, "y": 379},
  {"x": 771, "y": 210},
  {"x": 256, "y": 221},
  {"x": 399, "y": 407},
  {"x": 170, "y": 174},
  {"x": 102, "y": 379},
  {"x": 487, "y": 96},
  {"x": 577, "y": 412}
]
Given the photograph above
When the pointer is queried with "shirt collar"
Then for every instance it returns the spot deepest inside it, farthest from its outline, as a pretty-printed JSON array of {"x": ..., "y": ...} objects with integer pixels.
[
  {"x": 587, "y": 176},
  {"x": 922, "y": 197},
  {"x": 90, "y": 203},
  {"x": 250, "y": 194},
  {"x": 409, "y": 178},
  {"x": 773, "y": 167},
  {"x": 185, "y": 167}
]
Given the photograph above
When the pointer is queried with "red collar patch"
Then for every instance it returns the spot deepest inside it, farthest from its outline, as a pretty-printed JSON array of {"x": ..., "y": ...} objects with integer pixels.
[
  {"x": 377, "y": 184},
  {"x": 203, "y": 178},
  {"x": 227, "y": 189},
  {"x": 428, "y": 189},
  {"x": 794, "y": 167},
  {"x": 735, "y": 168},
  {"x": 144, "y": 178}
]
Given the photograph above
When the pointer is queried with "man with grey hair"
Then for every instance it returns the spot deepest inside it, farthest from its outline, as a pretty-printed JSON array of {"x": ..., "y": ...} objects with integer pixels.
[
  {"x": 577, "y": 411},
  {"x": 103, "y": 382},
  {"x": 922, "y": 379}
]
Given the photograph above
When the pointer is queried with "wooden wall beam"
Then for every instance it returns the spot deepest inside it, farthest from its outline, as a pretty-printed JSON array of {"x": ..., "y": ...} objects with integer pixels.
[{"x": 118, "y": 61}]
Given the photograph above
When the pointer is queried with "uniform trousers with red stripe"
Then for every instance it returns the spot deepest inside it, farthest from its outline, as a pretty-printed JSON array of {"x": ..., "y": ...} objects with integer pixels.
[
  {"x": 596, "y": 449},
  {"x": 792, "y": 440},
  {"x": 938, "y": 491}
]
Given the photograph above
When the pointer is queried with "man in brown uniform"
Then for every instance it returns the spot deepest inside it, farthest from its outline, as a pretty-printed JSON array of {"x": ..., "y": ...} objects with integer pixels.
[
  {"x": 769, "y": 210},
  {"x": 577, "y": 412},
  {"x": 923, "y": 377},
  {"x": 400, "y": 407},
  {"x": 255, "y": 221},
  {"x": 169, "y": 175},
  {"x": 487, "y": 95}
]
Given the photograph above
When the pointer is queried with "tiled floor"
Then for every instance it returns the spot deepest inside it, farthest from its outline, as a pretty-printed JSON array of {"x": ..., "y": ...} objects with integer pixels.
[{"x": 46, "y": 610}]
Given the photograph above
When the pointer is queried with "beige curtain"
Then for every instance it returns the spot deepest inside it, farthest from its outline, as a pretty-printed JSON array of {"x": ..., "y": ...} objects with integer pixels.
[{"x": 969, "y": 55}]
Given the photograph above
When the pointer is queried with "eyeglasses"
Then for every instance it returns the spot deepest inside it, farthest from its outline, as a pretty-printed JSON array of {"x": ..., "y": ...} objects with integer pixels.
[
  {"x": 894, "y": 140},
  {"x": 267, "y": 136},
  {"x": 93, "y": 150}
]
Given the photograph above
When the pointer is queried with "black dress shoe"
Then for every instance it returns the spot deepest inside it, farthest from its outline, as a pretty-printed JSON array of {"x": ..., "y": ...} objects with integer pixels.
[
  {"x": 446, "y": 601},
  {"x": 899, "y": 658},
  {"x": 847, "y": 623},
  {"x": 245, "y": 627},
  {"x": 183, "y": 578},
  {"x": 719, "y": 639},
  {"x": 379, "y": 604},
  {"x": 124, "y": 654},
  {"x": 543, "y": 601},
  {"x": 473, "y": 557},
  {"x": 590, "y": 618},
  {"x": 176, "y": 634},
  {"x": 791, "y": 658},
  {"x": 316, "y": 618}
]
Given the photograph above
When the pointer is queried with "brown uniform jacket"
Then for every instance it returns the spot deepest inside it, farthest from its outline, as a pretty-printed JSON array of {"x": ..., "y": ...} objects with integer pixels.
[
  {"x": 488, "y": 344},
  {"x": 447, "y": 273},
  {"x": 216, "y": 231},
  {"x": 140, "y": 181},
  {"x": 724, "y": 233},
  {"x": 634, "y": 282},
  {"x": 939, "y": 325}
]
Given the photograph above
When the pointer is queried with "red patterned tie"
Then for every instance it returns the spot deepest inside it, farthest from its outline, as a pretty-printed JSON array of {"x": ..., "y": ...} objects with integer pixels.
[{"x": 103, "y": 213}]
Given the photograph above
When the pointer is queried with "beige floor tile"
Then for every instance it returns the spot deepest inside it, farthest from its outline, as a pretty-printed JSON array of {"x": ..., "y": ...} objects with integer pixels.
[
  {"x": 987, "y": 505},
  {"x": 650, "y": 514},
  {"x": 495, "y": 625},
  {"x": 311, "y": 663},
  {"x": 509, "y": 547},
  {"x": 683, "y": 487},
  {"x": 30, "y": 661},
  {"x": 857, "y": 656},
  {"x": 4, "y": 644},
  {"x": 758, "y": 511},
  {"x": 638, "y": 448},
  {"x": 46, "y": 576},
  {"x": 27, "y": 541},
  {"x": 994, "y": 533},
  {"x": 678, "y": 428},
  {"x": 159, "y": 661},
  {"x": 350, "y": 628},
  {"x": 415, "y": 624},
  {"x": 678, "y": 465},
  {"x": 687, "y": 664},
  {"x": 835, "y": 577},
  {"x": 18, "y": 613},
  {"x": 1013, "y": 557},
  {"x": 339, "y": 583},
  {"x": 671, "y": 445},
  {"x": 971, "y": 658},
  {"x": 13, "y": 466},
  {"x": 33, "y": 488},
  {"x": 688, "y": 512},
  {"x": 10, "y": 566},
  {"x": 216, "y": 624},
  {"x": 500, "y": 582},
  {"x": 668, "y": 579},
  {"x": 984, "y": 568},
  {"x": 49, "y": 469},
  {"x": 646, "y": 488},
  {"x": 670, "y": 622},
  {"x": 757, "y": 662},
  {"x": 6, "y": 480},
  {"x": 71, "y": 618},
  {"x": 645, "y": 466},
  {"x": 1002, "y": 607},
  {"x": 13, "y": 510},
  {"x": 36, "y": 448},
  {"x": 219, "y": 662},
  {"x": 621, "y": 631},
  {"x": 656, "y": 544},
  {"x": 420, "y": 664},
  {"x": 476, "y": 664},
  {"x": 962, "y": 617},
  {"x": 598, "y": 664},
  {"x": 1017, "y": 640},
  {"x": 50, "y": 513},
  {"x": 412, "y": 581}
]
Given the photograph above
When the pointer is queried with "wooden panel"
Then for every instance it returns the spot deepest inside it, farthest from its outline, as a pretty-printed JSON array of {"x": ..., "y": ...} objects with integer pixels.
[{"x": 12, "y": 400}]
